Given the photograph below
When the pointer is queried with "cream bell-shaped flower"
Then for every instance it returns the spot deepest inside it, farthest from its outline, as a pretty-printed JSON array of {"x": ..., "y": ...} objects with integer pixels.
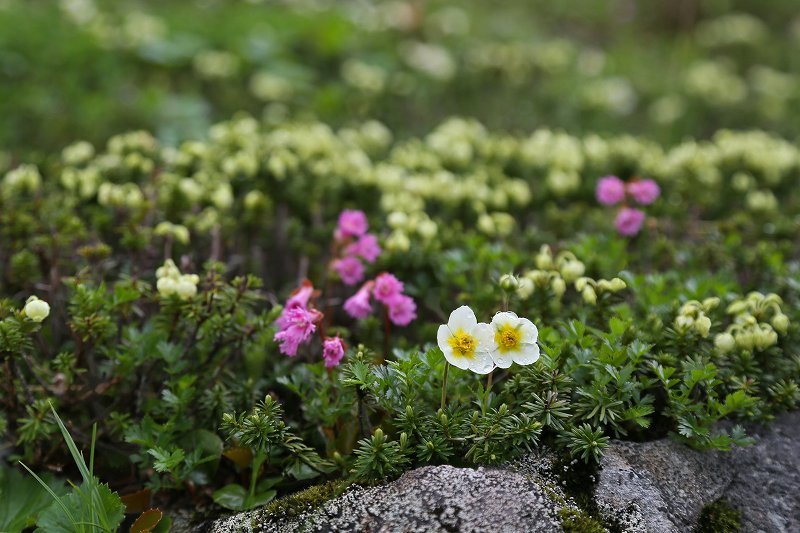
[
  {"x": 514, "y": 340},
  {"x": 465, "y": 342},
  {"x": 36, "y": 309}
]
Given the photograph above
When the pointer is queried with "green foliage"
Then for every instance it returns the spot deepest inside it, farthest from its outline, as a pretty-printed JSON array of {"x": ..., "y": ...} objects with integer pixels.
[
  {"x": 719, "y": 517},
  {"x": 304, "y": 500},
  {"x": 23, "y": 498},
  {"x": 575, "y": 521},
  {"x": 688, "y": 329},
  {"x": 92, "y": 506}
]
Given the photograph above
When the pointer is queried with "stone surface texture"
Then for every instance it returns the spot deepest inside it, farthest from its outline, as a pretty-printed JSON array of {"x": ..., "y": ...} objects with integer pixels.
[
  {"x": 657, "y": 487},
  {"x": 428, "y": 499},
  {"x": 662, "y": 486}
]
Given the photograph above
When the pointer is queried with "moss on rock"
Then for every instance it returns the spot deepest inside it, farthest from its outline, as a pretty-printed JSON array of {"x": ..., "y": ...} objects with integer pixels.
[{"x": 719, "y": 517}]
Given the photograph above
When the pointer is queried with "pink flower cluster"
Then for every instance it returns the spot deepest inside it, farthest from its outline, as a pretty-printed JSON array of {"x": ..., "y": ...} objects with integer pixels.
[
  {"x": 355, "y": 246},
  {"x": 297, "y": 324},
  {"x": 298, "y": 321},
  {"x": 333, "y": 349},
  {"x": 387, "y": 290},
  {"x": 611, "y": 190}
]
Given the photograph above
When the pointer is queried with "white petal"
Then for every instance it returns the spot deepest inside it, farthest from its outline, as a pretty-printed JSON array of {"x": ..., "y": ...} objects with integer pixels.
[
  {"x": 462, "y": 318},
  {"x": 442, "y": 338},
  {"x": 484, "y": 334},
  {"x": 527, "y": 354},
  {"x": 530, "y": 333},
  {"x": 504, "y": 317},
  {"x": 503, "y": 360},
  {"x": 459, "y": 362},
  {"x": 482, "y": 363}
]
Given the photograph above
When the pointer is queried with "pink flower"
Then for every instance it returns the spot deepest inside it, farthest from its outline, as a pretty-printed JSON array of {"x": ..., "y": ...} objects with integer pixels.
[
  {"x": 645, "y": 192},
  {"x": 352, "y": 223},
  {"x": 299, "y": 298},
  {"x": 610, "y": 190},
  {"x": 332, "y": 351},
  {"x": 366, "y": 247},
  {"x": 299, "y": 325},
  {"x": 629, "y": 221},
  {"x": 402, "y": 310},
  {"x": 349, "y": 269},
  {"x": 387, "y": 288},
  {"x": 358, "y": 306}
]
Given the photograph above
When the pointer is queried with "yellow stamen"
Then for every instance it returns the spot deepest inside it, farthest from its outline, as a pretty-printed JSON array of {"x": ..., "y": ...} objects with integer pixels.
[
  {"x": 462, "y": 343},
  {"x": 507, "y": 338}
]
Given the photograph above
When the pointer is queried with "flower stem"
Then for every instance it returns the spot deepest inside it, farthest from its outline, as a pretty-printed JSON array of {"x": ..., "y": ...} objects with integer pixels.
[
  {"x": 444, "y": 383},
  {"x": 387, "y": 332},
  {"x": 488, "y": 390}
]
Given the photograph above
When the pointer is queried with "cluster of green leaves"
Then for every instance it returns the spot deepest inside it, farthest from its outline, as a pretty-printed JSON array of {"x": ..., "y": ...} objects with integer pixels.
[{"x": 152, "y": 375}]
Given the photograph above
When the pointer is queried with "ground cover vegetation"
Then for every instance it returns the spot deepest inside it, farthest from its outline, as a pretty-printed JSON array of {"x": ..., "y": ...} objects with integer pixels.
[{"x": 219, "y": 315}]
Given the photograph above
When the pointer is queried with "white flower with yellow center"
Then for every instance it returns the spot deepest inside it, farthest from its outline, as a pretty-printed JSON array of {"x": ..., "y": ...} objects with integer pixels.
[
  {"x": 466, "y": 343},
  {"x": 514, "y": 340}
]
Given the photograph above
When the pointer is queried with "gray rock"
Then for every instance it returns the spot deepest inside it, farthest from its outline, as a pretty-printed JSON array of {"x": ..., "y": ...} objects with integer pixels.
[
  {"x": 662, "y": 486},
  {"x": 657, "y": 487},
  {"x": 433, "y": 498},
  {"x": 766, "y": 487}
]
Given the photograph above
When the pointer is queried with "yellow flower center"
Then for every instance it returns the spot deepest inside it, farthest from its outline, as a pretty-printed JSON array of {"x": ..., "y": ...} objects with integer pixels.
[
  {"x": 507, "y": 338},
  {"x": 462, "y": 343}
]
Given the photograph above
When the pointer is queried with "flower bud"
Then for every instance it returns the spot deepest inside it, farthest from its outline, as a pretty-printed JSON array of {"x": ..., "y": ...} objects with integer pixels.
[
  {"x": 525, "y": 288},
  {"x": 36, "y": 309},
  {"x": 166, "y": 286},
  {"x": 397, "y": 219},
  {"x": 737, "y": 307},
  {"x": 398, "y": 241},
  {"x": 589, "y": 296},
  {"x": 559, "y": 287},
  {"x": 581, "y": 283},
  {"x": 181, "y": 233},
  {"x": 604, "y": 285},
  {"x": 509, "y": 282},
  {"x": 427, "y": 229},
  {"x": 744, "y": 340},
  {"x": 185, "y": 288},
  {"x": 702, "y": 326},
  {"x": 618, "y": 284},
  {"x": 724, "y": 342},
  {"x": 683, "y": 323},
  {"x": 781, "y": 323},
  {"x": 710, "y": 303},
  {"x": 544, "y": 259},
  {"x": 572, "y": 270}
]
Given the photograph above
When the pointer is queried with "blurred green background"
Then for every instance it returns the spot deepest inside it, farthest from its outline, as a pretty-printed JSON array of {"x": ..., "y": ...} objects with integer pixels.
[{"x": 88, "y": 69}]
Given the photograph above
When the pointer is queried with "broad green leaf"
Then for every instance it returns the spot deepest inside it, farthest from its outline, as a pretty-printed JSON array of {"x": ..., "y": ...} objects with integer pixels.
[
  {"x": 22, "y": 499},
  {"x": 231, "y": 497}
]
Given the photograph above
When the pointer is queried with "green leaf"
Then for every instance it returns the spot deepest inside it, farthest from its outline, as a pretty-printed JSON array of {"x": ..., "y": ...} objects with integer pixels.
[
  {"x": 166, "y": 461},
  {"x": 232, "y": 497},
  {"x": 22, "y": 499},
  {"x": 94, "y": 508},
  {"x": 210, "y": 447},
  {"x": 261, "y": 498}
]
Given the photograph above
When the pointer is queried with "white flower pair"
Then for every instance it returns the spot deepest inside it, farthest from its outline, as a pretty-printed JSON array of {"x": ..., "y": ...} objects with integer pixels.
[{"x": 481, "y": 347}]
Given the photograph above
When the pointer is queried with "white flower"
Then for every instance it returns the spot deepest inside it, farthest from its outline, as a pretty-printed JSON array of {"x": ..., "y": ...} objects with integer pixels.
[
  {"x": 514, "y": 340},
  {"x": 36, "y": 309},
  {"x": 465, "y": 343}
]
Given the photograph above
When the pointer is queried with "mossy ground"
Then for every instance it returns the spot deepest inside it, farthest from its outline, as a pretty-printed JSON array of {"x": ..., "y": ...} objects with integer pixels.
[
  {"x": 304, "y": 500},
  {"x": 719, "y": 517}
]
